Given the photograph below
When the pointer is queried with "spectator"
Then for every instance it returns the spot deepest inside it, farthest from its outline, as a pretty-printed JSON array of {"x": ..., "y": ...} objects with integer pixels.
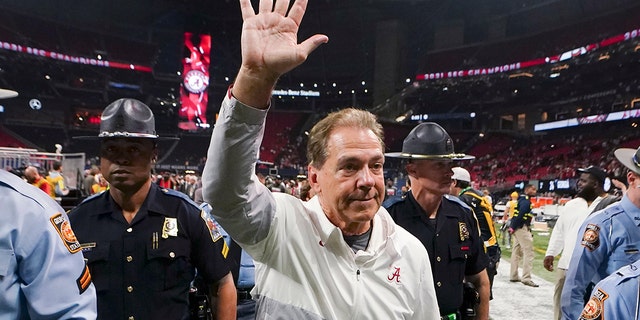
[
  {"x": 58, "y": 180},
  {"x": 565, "y": 233},
  {"x": 100, "y": 184},
  {"x": 89, "y": 180},
  {"x": 33, "y": 176}
]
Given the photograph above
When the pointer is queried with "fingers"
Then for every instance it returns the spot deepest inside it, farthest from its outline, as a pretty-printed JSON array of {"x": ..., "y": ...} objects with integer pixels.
[
  {"x": 265, "y": 6},
  {"x": 297, "y": 11},
  {"x": 313, "y": 43},
  {"x": 246, "y": 9},
  {"x": 281, "y": 7}
]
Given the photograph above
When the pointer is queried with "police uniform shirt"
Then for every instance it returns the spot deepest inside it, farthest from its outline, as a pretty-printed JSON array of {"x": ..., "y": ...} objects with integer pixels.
[
  {"x": 143, "y": 270},
  {"x": 42, "y": 272},
  {"x": 609, "y": 240},
  {"x": 615, "y": 297},
  {"x": 455, "y": 248}
]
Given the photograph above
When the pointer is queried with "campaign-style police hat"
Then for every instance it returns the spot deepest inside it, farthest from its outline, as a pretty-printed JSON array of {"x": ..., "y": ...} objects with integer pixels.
[
  {"x": 630, "y": 158},
  {"x": 428, "y": 141},
  {"x": 127, "y": 118}
]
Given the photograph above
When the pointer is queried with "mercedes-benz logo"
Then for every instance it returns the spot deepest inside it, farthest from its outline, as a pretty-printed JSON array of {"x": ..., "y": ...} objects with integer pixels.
[{"x": 35, "y": 104}]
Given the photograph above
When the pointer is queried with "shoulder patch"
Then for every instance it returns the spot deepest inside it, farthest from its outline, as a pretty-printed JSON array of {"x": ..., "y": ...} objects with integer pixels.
[
  {"x": 464, "y": 231},
  {"x": 595, "y": 307},
  {"x": 214, "y": 231},
  {"x": 62, "y": 226},
  {"x": 212, "y": 225},
  {"x": 591, "y": 237}
]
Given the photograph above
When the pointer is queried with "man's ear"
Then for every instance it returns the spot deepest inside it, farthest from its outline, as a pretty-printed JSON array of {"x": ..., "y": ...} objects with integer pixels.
[
  {"x": 411, "y": 170},
  {"x": 631, "y": 179},
  {"x": 313, "y": 178}
]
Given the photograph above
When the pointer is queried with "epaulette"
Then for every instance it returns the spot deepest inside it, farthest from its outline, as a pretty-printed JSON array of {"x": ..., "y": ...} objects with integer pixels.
[
  {"x": 174, "y": 193},
  {"x": 457, "y": 200},
  {"x": 609, "y": 212},
  {"x": 391, "y": 201},
  {"x": 627, "y": 272},
  {"x": 93, "y": 197}
]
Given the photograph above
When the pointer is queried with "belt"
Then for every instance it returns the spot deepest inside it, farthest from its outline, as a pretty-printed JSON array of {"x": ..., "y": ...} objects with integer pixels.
[
  {"x": 451, "y": 316},
  {"x": 244, "y": 295}
]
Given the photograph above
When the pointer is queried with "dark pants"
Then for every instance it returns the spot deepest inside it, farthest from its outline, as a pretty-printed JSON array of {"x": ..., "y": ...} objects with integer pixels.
[
  {"x": 493, "y": 253},
  {"x": 246, "y": 309}
]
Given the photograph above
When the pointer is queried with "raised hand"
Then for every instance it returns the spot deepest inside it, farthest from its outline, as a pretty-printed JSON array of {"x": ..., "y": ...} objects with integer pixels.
[{"x": 270, "y": 47}]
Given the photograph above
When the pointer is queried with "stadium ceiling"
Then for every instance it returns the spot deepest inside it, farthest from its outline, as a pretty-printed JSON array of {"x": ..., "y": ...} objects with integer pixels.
[{"x": 151, "y": 30}]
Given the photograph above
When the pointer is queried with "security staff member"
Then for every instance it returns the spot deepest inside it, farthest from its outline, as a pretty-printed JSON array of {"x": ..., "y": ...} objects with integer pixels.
[
  {"x": 520, "y": 228},
  {"x": 143, "y": 243},
  {"x": 610, "y": 240},
  {"x": 616, "y": 296},
  {"x": 444, "y": 224},
  {"x": 42, "y": 272},
  {"x": 483, "y": 212}
]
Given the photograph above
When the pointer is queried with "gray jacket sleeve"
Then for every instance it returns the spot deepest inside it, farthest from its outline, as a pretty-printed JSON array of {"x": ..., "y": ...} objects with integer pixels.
[{"x": 241, "y": 204}]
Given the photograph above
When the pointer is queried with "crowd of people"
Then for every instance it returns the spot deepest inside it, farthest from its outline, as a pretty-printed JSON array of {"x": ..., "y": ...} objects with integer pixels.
[{"x": 332, "y": 244}]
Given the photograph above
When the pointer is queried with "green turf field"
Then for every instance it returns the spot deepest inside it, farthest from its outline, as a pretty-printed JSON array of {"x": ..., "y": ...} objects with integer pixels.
[{"x": 540, "y": 241}]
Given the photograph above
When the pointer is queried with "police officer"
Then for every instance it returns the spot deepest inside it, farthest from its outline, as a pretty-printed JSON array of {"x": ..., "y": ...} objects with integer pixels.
[
  {"x": 42, "y": 272},
  {"x": 616, "y": 296},
  {"x": 483, "y": 212},
  {"x": 143, "y": 243},
  {"x": 444, "y": 224},
  {"x": 243, "y": 270},
  {"x": 609, "y": 240}
]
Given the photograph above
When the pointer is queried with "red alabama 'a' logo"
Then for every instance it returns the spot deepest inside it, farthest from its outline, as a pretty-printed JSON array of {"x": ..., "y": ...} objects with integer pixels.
[{"x": 395, "y": 275}]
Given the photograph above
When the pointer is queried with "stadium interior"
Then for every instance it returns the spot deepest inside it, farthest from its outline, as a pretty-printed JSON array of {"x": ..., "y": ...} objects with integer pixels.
[{"x": 533, "y": 89}]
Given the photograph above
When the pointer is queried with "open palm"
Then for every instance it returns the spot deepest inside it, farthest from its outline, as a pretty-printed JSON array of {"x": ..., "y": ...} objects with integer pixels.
[{"x": 270, "y": 38}]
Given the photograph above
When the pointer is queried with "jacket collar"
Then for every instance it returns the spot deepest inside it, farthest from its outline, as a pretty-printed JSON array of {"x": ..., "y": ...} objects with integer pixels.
[
  {"x": 152, "y": 203},
  {"x": 382, "y": 233}
]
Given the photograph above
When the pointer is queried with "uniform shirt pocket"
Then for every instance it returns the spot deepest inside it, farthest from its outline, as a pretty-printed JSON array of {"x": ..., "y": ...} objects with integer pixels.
[
  {"x": 168, "y": 265},
  {"x": 458, "y": 253}
]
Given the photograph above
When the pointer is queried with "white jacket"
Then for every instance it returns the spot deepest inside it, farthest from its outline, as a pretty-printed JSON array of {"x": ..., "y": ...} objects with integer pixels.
[
  {"x": 304, "y": 268},
  {"x": 566, "y": 231}
]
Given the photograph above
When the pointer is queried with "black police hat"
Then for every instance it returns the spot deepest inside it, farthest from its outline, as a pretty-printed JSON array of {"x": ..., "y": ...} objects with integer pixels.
[
  {"x": 428, "y": 141},
  {"x": 127, "y": 118},
  {"x": 630, "y": 158}
]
